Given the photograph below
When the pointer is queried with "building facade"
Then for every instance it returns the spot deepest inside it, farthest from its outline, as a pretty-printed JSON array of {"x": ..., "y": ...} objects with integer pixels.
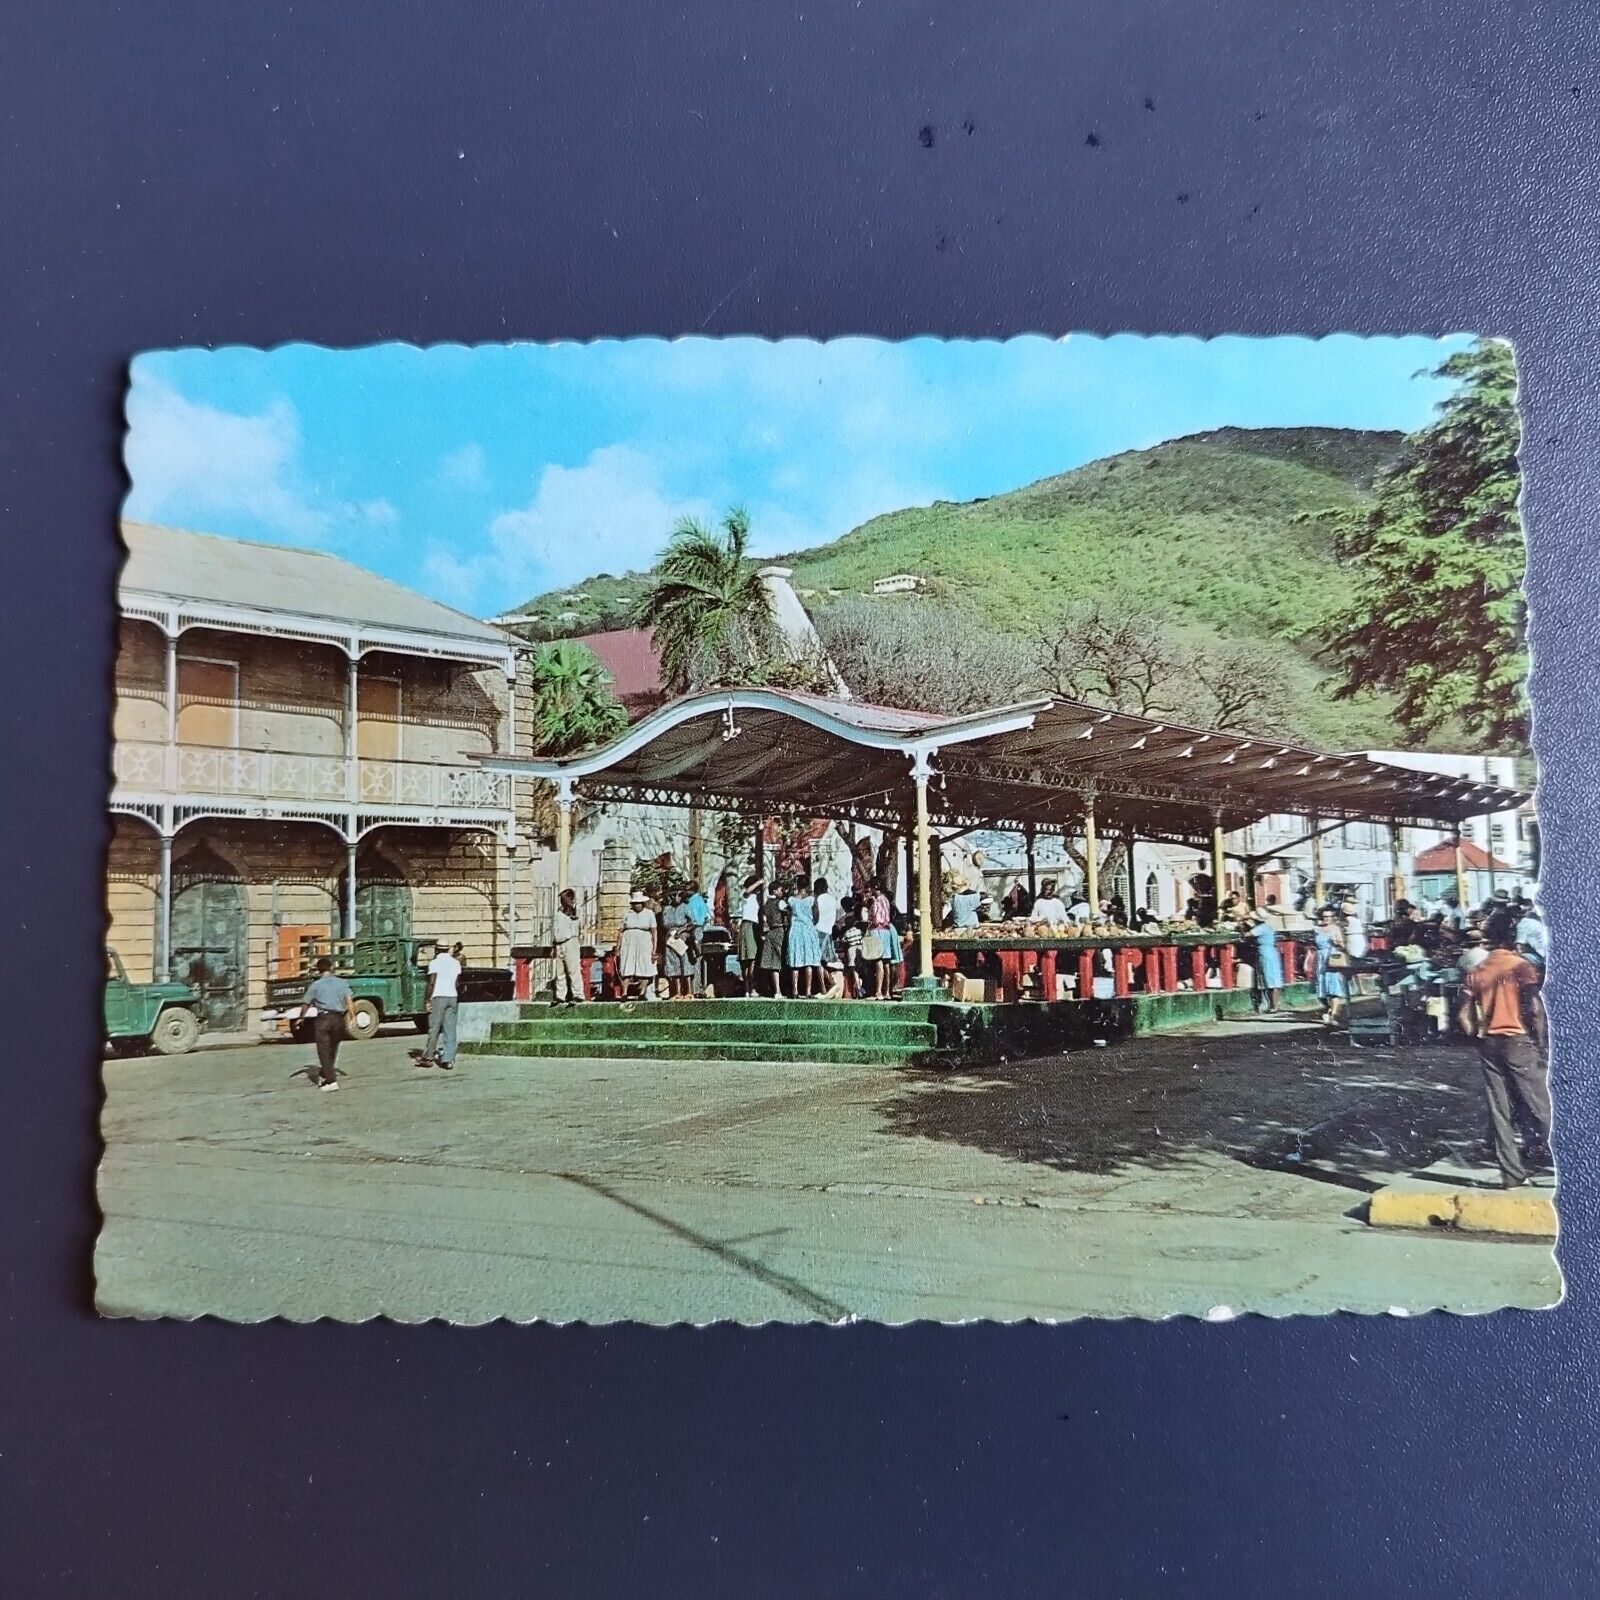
[{"x": 293, "y": 755}]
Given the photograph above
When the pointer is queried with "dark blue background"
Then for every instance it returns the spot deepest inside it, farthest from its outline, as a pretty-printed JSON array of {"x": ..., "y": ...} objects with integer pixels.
[{"x": 189, "y": 173}]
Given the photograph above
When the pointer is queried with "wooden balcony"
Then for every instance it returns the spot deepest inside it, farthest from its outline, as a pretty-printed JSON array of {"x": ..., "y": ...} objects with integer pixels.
[{"x": 193, "y": 774}]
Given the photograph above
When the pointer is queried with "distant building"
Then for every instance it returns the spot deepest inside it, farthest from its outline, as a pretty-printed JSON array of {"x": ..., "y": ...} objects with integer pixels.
[
  {"x": 897, "y": 583},
  {"x": 1435, "y": 873},
  {"x": 629, "y": 656}
]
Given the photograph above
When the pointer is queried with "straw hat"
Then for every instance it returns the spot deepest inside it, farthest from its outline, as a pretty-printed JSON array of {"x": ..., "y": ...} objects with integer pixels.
[{"x": 638, "y": 897}]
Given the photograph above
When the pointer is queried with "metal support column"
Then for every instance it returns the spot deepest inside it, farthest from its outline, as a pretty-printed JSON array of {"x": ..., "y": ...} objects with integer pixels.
[
  {"x": 566, "y": 793},
  {"x": 1219, "y": 865},
  {"x": 1132, "y": 899},
  {"x": 352, "y": 706},
  {"x": 1091, "y": 859},
  {"x": 163, "y": 961},
  {"x": 920, "y": 772},
  {"x": 1319, "y": 887},
  {"x": 1461, "y": 873},
  {"x": 172, "y": 689},
  {"x": 1028, "y": 845},
  {"x": 350, "y": 889}
]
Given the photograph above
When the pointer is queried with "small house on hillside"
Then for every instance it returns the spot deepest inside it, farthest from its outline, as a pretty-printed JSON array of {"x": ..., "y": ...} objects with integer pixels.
[{"x": 897, "y": 583}]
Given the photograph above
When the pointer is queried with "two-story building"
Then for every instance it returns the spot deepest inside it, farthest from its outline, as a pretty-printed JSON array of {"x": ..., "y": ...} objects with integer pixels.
[{"x": 294, "y": 743}]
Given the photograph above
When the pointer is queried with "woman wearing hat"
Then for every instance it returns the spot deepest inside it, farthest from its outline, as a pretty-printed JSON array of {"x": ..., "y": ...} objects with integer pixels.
[{"x": 636, "y": 954}]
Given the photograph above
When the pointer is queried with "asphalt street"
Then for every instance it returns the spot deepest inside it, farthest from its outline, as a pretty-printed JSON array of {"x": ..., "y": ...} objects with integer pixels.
[{"x": 1216, "y": 1171}]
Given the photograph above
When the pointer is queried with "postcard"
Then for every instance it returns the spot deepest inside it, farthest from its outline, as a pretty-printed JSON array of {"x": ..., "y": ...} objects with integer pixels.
[{"x": 718, "y": 830}]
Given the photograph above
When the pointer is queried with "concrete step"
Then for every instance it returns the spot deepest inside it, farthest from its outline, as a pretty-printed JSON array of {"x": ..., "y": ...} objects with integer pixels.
[
  {"x": 686, "y": 1029},
  {"x": 592, "y": 1048}
]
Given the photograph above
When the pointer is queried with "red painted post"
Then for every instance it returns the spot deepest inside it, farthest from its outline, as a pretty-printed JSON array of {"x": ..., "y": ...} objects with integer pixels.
[
  {"x": 1122, "y": 972},
  {"x": 1169, "y": 968},
  {"x": 1197, "y": 965},
  {"x": 1047, "y": 975},
  {"x": 522, "y": 982},
  {"x": 1086, "y": 974},
  {"x": 1286, "y": 950},
  {"x": 1010, "y": 975},
  {"x": 1225, "y": 965},
  {"x": 1152, "y": 970}
]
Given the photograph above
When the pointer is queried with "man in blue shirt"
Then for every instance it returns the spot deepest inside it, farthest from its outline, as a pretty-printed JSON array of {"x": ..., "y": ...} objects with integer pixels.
[{"x": 334, "y": 1010}]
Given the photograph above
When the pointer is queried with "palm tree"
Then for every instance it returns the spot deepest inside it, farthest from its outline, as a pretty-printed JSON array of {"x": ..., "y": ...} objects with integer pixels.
[
  {"x": 708, "y": 610},
  {"x": 573, "y": 706}
]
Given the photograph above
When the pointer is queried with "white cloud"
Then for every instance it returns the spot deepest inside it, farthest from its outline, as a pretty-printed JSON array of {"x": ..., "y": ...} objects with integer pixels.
[
  {"x": 611, "y": 514},
  {"x": 197, "y": 462},
  {"x": 463, "y": 468},
  {"x": 379, "y": 513}
]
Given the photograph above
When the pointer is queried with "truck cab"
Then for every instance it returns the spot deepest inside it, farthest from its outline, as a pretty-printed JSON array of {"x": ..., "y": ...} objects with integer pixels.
[
  {"x": 388, "y": 977},
  {"x": 164, "y": 1017}
]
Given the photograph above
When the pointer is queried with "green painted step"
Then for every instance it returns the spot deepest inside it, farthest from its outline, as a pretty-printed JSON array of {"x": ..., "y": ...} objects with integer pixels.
[
  {"x": 683, "y": 1030},
  {"x": 744, "y": 1010},
  {"x": 593, "y": 1049}
]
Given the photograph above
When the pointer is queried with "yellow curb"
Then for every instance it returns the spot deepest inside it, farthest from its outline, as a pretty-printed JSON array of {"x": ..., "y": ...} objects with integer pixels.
[{"x": 1529, "y": 1212}]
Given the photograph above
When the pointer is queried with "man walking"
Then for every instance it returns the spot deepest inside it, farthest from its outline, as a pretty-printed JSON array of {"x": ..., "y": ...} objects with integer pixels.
[
  {"x": 567, "y": 937},
  {"x": 1499, "y": 1001},
  {"x": 443, "y": 973},
  {"x": 330, "y": 998}
]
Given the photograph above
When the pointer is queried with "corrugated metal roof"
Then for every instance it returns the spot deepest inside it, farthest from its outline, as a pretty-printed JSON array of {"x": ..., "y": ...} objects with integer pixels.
[
  {"x": 1035, "y": 762},
  {"x": 207, "y": 567},
  {"x": 630, "y": 656}
]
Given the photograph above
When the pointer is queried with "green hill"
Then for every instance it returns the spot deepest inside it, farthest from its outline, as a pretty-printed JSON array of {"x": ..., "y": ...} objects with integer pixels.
[{"x": 1208, "y": 530}]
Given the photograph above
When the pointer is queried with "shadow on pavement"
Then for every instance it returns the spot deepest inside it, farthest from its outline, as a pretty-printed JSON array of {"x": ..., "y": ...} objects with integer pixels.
[{"x": 1273, "y": 1096}]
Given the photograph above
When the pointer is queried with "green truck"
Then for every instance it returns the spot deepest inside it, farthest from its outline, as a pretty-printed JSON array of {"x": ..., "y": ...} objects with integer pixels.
[
  {"x": 164, "y": 1017},
  {"x": 389, "y": 978}
]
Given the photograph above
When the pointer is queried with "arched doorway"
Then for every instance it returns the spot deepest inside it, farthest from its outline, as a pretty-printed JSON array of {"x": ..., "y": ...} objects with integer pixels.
[
  {"x": 383, "y": 898},
  {"x": 210, "y": 936}
]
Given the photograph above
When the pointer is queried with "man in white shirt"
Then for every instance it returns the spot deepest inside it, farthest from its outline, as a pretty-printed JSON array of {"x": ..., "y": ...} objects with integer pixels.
[
  {"x": 825, "y": 908},
  {"x": 1049, "y": 908},
  {"x": 566, "y": 935},
  {"x": 444, "y": 971}
]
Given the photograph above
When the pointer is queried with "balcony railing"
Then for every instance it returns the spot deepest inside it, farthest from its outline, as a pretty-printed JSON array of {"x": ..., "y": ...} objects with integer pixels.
[{"x": 175, "y": 769}]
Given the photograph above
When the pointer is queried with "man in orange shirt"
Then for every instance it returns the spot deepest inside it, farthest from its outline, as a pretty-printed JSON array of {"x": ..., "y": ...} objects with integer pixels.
[{"x": 1501, "y": 1009}]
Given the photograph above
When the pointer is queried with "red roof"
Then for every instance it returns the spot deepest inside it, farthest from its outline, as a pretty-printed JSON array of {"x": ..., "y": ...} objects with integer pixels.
[
  {"x": 1442, "y": 858},
  {"x": 629, "y": 655}
]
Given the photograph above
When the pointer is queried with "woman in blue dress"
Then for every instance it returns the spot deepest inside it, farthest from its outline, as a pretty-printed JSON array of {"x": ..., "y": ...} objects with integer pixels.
[
  {"x": 1331, "y": 989},
  {"x": 803, "y": 954},
  {"x": 1269, "y": 960}
]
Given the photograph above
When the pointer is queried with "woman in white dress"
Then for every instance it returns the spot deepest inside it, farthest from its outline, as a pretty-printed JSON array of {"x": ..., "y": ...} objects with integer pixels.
[{"x": 636, "y": 953}]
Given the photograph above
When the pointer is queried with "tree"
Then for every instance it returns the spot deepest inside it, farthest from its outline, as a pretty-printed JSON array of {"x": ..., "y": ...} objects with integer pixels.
[
  {"x": 573, "y": 706},
  {"x": 707, "y": 609},
  {"x": 924, "y": 655},
  {"x": 1113, "y": 655},
  {"x": 1243, "y": 688},
  {"x": 1437, "y": 617}
]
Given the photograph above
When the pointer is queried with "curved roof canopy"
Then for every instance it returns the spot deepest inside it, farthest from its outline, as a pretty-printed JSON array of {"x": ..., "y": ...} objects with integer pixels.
[{"x": 1038, "y": 761}]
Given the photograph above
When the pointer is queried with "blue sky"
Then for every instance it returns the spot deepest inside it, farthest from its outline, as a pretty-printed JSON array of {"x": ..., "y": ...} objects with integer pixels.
[{"x": 483, "y": 476}]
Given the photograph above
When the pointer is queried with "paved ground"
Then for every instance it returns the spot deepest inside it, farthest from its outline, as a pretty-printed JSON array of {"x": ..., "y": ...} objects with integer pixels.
[{"x": 1223, "y": 1167}]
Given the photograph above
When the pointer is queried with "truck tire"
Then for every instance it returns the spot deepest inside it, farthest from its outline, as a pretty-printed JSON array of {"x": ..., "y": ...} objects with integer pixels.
[
  {"x": 176, "y": 1031},
  {"x": 365, "y": 1019}
]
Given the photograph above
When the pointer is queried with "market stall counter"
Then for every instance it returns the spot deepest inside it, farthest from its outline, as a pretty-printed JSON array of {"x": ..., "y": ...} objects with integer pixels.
[{"x": 1022, "y": 962}]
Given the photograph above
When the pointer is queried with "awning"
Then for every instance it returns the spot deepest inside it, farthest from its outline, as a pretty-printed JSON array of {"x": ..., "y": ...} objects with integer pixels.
[{"x": 1044, "y": 762}]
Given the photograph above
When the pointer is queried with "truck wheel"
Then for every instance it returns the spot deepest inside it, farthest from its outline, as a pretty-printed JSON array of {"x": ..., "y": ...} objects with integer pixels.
[
  {"x": 175, "y": 1032},
  {"x": 365, "y": 1020}
]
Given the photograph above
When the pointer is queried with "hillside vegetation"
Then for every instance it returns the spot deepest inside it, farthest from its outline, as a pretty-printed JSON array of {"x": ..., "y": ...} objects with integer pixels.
[{"x": 1210, "y": 532}]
